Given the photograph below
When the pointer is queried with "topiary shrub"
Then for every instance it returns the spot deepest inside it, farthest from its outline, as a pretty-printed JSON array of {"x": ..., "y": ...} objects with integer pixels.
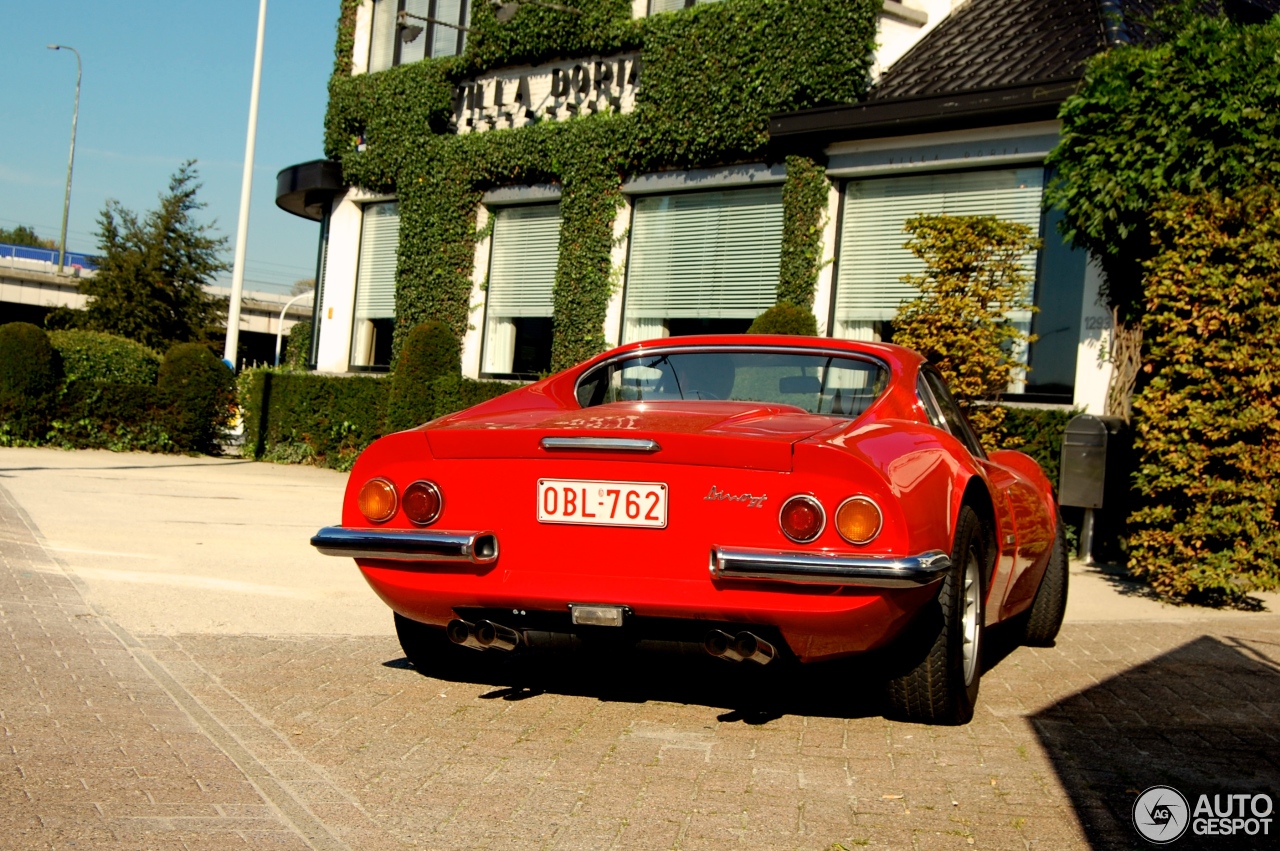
[
  {"x": 1206, "y": 527},
  {"x": 97, "y": 356},
  {"x": 198, "y": 391},
  {"x": 973, "y": 276},
  {"x": 784, "y": 318},
  {"x": 430, "y": 351},
  {"x": 297, "y": 353},
  {"x": 30, "y": 372}
]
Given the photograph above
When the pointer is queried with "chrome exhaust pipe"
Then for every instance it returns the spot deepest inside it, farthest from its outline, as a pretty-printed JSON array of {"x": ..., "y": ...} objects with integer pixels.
[
  {"x": 721, "y": 645},
  {"x": 495, "y": 636},
  {"x": 753, "y": 648},
  {"x": 463, "y": 633}
]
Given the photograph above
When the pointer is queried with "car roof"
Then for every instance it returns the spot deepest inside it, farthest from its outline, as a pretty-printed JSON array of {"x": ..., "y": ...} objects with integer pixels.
[{"x": 899, "y": 359}]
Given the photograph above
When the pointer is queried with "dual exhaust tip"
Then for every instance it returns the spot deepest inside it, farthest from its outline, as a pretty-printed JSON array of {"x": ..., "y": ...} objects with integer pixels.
[
  {"x": 743, "y": 647},
  {"x": 485, "y": 635}
]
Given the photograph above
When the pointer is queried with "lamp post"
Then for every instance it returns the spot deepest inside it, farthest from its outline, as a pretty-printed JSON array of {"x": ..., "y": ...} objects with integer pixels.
[
  {"x": 71, "y": 158},
  {"x": 246, "y": 190}
]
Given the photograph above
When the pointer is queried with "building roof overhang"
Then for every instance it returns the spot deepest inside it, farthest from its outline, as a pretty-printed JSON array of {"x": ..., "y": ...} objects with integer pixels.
[
  {"x": 305, "y": 188},
  {"x": 814, "y": 129}
]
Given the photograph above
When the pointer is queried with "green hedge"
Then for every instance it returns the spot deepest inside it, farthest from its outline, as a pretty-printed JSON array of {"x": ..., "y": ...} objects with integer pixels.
[
  {"x": 1207, "y": 421},
  {"x": 30, "y": 374},
  {"x": 97, "y": 356},
  {"x": 328, "y": 420},
  {"x": 1037, "y": 432}
]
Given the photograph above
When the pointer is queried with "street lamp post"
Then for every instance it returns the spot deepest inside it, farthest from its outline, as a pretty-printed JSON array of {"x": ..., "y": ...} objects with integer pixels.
[
  {"x": 246, "y": 191},
  {"x": 280, "y": 324},
  {"x": 71, "y": 158}
]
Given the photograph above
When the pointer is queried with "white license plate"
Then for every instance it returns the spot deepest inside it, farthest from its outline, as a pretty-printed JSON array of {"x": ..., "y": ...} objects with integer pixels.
[{"x": 597, "y": 503}]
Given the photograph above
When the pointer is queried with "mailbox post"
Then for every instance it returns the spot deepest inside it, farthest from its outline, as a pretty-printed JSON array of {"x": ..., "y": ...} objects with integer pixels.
[{"x": 1093, "y": 469}]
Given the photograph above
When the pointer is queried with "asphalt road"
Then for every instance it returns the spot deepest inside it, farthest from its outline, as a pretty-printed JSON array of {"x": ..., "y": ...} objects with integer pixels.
[{"x": 183, "y": 671}]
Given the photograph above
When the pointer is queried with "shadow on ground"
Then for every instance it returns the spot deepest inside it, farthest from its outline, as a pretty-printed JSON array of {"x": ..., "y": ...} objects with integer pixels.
[
  {"x": 1203, "y": 718},
  {"x": 684, "y": 674}
]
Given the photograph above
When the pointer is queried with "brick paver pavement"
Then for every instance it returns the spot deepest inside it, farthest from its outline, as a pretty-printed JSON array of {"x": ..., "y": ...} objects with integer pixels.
[{"x": 329, "y": 741}]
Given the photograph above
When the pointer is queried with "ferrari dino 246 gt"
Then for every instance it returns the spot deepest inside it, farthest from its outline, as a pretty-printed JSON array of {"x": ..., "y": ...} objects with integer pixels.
[{"x": 772, "y": 499}]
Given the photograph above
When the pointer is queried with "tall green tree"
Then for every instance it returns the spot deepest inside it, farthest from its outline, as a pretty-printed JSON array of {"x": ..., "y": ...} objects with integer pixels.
[
  {"x": 152, "y": 270},
  {"x": 24, "y": 235},
  {"x": 1193, "y": 107}
]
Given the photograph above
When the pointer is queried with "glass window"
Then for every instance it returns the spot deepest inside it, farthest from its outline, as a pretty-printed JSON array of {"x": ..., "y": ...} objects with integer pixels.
[
  {"x": 873, "y": 257},
  {"x": 518, "y": 303},
  {"x": 317, "y": 300},
  {"x": 1060, "y": 296},
  {"x": 938, "y": 402},
  {"x": 426, "y": 29},
  {"x": 375, "y": 312},
  {"x": 702, "y": 262},
  {"x": 816, "y": 383}
]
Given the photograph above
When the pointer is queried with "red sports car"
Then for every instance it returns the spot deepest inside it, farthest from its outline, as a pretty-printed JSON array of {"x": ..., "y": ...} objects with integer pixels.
[{"x": 768, "y": 498}]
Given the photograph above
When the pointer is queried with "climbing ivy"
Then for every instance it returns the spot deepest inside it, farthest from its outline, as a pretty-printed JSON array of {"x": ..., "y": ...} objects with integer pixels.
[
  {"x": 804, "y": 204},
  {"x": 712, "y": 75}
]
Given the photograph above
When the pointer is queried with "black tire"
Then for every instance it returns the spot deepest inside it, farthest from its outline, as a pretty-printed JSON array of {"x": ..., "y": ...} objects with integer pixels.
[
  {"x": 429, "y": 650},
  {"x": 942, "y": 686},
  {"x": 1044, "y": 618}
]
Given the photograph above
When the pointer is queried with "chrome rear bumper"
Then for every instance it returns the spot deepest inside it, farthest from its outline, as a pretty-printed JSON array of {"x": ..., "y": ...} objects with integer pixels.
[
  {"x": 397, "y": 545},
  {"x": 829, "y": 569}
]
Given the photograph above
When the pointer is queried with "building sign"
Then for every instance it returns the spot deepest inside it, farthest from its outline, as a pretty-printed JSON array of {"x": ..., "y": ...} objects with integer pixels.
[{"x": 520, "y": 97}]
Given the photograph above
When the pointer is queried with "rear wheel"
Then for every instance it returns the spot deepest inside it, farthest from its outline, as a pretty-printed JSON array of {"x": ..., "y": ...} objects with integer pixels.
[
  {"x": 1050, "y": 605},
  {"x": 429, "y": 650},
  {"x": 942, "y": 685}
]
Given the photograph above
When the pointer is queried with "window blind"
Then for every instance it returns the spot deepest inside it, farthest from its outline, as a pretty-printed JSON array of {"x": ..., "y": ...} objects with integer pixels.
[
  {"x": 522, "y": 262},
  {"x": 873, "y": 260},
  {"x": 376, "y": 278},
  {"x": 445, "y": 39},
  {"x": 708, "y": 255},
  {"x": 382, "y": 37}
]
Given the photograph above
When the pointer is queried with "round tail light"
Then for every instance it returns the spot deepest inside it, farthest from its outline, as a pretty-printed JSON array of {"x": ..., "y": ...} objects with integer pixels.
[
  {"x": 858, "y": 520},
  {"x": 422, "y": 502},
  {"x": 802, "y": 519},
  {"x": 377, "y": 500}
]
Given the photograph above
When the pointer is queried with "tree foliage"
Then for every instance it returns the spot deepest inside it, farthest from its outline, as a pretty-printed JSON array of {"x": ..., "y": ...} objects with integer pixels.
[
  {"x": 152, "y": 271},
  {"x": 785, "y": 318},
  {"x": 974, "y": 275},
  {"x": 24, "y": 235},
  {"x": 1206, "y": 526}
]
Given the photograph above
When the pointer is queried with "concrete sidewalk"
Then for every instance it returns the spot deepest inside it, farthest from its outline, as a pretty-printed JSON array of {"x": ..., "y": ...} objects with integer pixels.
[{"x": 184, "y": 672}]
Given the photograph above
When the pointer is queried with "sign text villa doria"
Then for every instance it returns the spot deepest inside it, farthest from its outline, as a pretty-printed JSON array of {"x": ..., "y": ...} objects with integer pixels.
[{"x": 518, "y": 97}]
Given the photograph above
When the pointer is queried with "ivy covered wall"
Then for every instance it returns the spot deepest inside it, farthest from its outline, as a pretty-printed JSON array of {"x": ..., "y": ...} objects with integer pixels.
[{"x": 712, "y": 75}]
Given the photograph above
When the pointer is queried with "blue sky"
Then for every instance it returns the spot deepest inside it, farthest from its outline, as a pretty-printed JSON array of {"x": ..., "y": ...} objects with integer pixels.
[{"x": 164, "y": 82}]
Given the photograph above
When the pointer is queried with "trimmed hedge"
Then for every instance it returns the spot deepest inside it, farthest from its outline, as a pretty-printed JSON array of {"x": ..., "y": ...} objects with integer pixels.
[
  {"x": 1207, "y": 422},
  {"x": 98, "y": 356},
  {"x": 430, "y": 351},
  {"x": 1037, "y": 432},
  {"x": 328, "y": 420},
  {"x": 30, "y": 373},
  {"x": 785, "y": 318},
  {"x": 198, "y": 392},
  {"x": 114, "y": 416}
]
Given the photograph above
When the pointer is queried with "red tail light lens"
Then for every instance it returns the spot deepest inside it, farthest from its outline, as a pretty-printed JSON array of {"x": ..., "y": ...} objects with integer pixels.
[
  {"x": 422, "y": 502},
  {"x": 377, "y": 500},
  {"x": 802, "y": 519}
]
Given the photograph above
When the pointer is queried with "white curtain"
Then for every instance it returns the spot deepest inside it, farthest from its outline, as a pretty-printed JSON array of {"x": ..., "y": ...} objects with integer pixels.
[
  {"x": 499, "y": 344},
  {"x": 644, "y": 328}
]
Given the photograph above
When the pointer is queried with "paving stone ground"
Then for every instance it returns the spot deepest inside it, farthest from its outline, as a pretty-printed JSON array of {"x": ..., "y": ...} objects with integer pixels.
[{"x": 113, "y": 740}]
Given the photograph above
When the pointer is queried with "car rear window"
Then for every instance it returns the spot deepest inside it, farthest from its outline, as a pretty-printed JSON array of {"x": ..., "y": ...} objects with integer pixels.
[{"x": 818, "y": 383}]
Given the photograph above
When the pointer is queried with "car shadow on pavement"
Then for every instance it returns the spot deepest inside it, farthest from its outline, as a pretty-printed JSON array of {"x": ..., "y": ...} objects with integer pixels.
[
  {"x": 749, "y": 693},
  {"x": 1203, "y": 718}
]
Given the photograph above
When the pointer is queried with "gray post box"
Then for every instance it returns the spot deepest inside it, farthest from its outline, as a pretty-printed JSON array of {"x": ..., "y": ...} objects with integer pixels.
[{"x": 1093, "y": 470}]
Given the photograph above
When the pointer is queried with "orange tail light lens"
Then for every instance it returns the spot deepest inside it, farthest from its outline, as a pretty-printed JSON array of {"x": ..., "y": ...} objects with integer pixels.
[
  {"x": 377, "y": 500},
  {"x": 802, "y": 519},
  {"x": 858, "y": 520},
  {"x": 422, "y": 502}
]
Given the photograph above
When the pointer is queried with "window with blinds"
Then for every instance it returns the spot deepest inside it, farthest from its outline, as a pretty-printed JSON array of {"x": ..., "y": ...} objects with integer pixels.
[
  {"x": 376, "y": 286},
  {"x": 518, "y": 303},
  {"x": 873, "y": 261},
  {"x": 702, "y": 255},
  {"x": 656, "y": 6},
  {"x": 382, "y": 35}
]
